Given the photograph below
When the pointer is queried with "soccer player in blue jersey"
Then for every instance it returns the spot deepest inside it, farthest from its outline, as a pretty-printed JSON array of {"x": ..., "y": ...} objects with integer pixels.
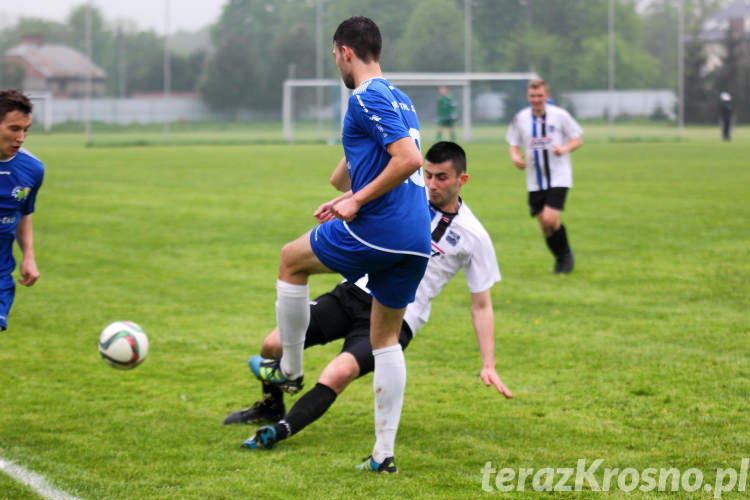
[
  {"x": 20, "y": 178},
  {"x": 459, "y": 242},
  {"x": 381, "y": 227}
]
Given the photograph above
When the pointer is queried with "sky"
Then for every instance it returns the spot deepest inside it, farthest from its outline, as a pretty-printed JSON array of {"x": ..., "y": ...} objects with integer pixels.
[{"x": 147, "y": 14}]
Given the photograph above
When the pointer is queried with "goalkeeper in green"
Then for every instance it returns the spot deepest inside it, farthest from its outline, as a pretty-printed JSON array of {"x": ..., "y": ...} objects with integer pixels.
[{"x": 446, "y": 110}]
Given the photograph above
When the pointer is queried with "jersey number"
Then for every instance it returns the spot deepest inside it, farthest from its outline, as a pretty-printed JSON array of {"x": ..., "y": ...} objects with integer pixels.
[{"x": 417, "y": 177}]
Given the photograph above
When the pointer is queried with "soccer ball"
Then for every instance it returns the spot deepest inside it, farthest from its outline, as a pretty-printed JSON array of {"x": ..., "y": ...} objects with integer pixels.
[{"x": 123, "y": 344}]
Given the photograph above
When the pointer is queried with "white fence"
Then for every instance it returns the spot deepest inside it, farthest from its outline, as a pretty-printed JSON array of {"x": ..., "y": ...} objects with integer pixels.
[
  {"x": 596, "y": 103},
  {"x": 140, "y": 110},
  {"x": 143, "y": 110}
]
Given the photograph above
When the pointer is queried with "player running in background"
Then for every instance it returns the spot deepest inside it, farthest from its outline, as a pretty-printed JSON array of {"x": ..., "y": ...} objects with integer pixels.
[
  {"x": 548, "y": 134},
  {"x": 21, "y": 177},
  {"x": 381, "y": 227},
  {"x": 459, "y": 241}
]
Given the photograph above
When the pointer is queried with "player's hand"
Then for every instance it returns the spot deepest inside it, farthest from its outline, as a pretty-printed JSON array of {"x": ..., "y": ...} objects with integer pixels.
[
  {"x": 324, "y": 212},
  {"x": 29, "y": 272},
  {"x": 560, "y": 150},
  {"x": 490, "y": 377},
  {"x": 346, "y": 209},
  {"x": 519, "y": 161}
]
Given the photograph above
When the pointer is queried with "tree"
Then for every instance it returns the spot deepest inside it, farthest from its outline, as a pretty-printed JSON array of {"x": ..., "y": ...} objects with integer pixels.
[
  {"x": 53, "y": 32},
  {"x": 494, "y": 24},
  {"x": 186, "y": 70},
  {"x": 144, "y": 62},
  {"x": 697, "y": 92},
  {"x": 242, "y": 37},
  {"x": 294, "y": 47},
  {"x": 227, "y": 83},
  {"x": 733, "y": 75},
  {"x": 435, "y": 45},
  {"x": 565, "y": 42},
  {"x": 634, "y": 68},
  {"x": 12, "y": 75},
  {"x": 391, "y": 18},
  {"x": 660, "y": 39}
]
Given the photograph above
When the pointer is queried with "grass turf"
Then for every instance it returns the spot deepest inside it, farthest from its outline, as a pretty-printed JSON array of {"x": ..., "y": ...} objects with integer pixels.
[{"x": 640, "y": 357}]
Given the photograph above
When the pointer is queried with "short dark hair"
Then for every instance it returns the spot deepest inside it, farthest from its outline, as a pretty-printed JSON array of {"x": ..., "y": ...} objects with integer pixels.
[
  {"x": 447, "y": 151},
  {"x": 362, "y": 35},
  {"x": 13, "y": 100}
]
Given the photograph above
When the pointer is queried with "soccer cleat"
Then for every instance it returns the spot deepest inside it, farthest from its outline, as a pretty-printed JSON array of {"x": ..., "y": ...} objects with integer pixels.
[
  {"x": 565, "y": 263},
  {"x": 265, "y": 409},
  {"x": 264, "y": 439},
  {"x": 387, "y": 466},
  {"x": 269, "y": 371}
]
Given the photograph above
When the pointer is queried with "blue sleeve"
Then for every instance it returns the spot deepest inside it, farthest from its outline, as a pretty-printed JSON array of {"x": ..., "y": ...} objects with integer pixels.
[
  {"x": 30, "y": 202},
  {"x": 381, "y": 119}
]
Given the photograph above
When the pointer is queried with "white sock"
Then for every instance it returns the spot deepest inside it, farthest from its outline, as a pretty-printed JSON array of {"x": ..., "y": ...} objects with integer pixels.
[
  {"x": 388, "y": 382},
  {"x": 292, "y": 318}
]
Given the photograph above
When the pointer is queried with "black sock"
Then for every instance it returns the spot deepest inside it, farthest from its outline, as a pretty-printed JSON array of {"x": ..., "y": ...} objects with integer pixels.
[
  {"x": 273, "y": 392},
  {"x": 307, "y": 410},
  {"x": 558, "y": 242}
]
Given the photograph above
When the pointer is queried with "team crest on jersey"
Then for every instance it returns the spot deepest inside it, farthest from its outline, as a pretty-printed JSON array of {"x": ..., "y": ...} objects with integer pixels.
[
  {"x": 452, "y": 237},
  {"x": 551, "y": 128},
  {"x": 20, "y": 193}
]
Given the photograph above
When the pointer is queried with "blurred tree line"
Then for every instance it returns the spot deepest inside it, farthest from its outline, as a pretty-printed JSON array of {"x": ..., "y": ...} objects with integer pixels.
[
  {"x": 133, "y": 59},
  {"x": 256, "y": 44}
]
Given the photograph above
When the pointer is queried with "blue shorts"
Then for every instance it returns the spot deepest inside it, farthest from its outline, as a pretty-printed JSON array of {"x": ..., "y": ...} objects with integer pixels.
[
  {"x": 7, "y": 293},
  {"x": 393, "y": 277}
]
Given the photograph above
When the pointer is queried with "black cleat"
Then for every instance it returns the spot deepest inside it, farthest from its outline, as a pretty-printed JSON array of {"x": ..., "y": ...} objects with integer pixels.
[
  {"x": 565, "y": 263},
  {"x": 264, "y": 410}
]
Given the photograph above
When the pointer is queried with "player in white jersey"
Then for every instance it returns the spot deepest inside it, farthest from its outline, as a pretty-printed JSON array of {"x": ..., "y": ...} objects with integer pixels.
[
  {"x": 548, "y": 134},
  {"x": 459, "y": 242}
]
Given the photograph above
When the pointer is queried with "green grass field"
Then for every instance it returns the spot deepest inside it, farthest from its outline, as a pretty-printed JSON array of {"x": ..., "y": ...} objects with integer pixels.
[
  {"x": 641, "y": 357},
  {"x": 269, "y": 133}
]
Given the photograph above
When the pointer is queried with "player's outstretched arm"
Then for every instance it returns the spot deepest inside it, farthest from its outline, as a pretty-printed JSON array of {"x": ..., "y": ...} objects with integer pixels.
[
  {"x": 405, "y": 160},
  {"x": 483, "y": 319},
  {"x": 516, "y": 157},
  {"x": 24, "y": 235}
]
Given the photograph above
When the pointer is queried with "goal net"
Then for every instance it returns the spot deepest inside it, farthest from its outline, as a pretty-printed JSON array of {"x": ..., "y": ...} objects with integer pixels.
[{"x": 313, "y": 109}]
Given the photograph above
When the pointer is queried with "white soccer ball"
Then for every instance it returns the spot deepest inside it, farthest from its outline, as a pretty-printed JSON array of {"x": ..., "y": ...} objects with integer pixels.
[{"x": 123, "y": 344}]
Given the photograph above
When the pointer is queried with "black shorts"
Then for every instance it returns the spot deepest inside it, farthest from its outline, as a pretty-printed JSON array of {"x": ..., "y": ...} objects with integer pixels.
[
  {"x": 552, "y": 197},
  {"x": 344, "y": 313}
]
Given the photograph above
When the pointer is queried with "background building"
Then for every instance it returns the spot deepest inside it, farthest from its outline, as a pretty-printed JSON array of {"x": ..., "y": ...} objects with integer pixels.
[
  {"x": 56, "y": 69},
  {"x": 732, "y": 21}
]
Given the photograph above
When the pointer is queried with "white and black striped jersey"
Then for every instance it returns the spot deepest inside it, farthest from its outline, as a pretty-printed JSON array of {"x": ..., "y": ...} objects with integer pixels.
[
  {"x": 459, "y": 241},
  {"x": 539, "y": 135}
]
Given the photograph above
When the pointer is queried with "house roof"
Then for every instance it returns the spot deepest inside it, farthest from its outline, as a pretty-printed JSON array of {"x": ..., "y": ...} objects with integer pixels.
[
  {"x": 715, "y": 28},
  {"x": 57, "y": 61}
]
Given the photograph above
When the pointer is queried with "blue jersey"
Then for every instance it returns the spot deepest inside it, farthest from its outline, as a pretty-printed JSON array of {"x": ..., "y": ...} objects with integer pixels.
[
  {"x": 20, "y": 179},
  {"x": 398, "y": 221}
]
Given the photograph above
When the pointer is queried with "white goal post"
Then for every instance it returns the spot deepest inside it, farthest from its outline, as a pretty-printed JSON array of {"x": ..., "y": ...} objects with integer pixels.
[{"x": 463, "y": 80}]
